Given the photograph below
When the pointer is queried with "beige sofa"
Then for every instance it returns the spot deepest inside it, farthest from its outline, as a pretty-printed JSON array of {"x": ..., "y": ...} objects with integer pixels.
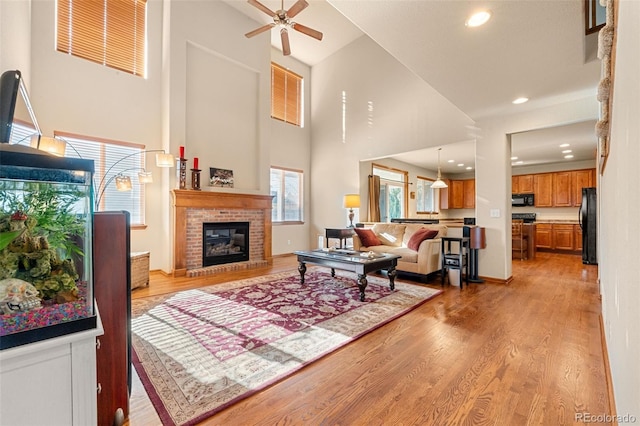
[{"x": 395, "y": 237}]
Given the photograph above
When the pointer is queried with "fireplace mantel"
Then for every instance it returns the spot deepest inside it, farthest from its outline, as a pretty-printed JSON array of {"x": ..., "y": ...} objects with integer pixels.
[{"x": 183, "y": 200}]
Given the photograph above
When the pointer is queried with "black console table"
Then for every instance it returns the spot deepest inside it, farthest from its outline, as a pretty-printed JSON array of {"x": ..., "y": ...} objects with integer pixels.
[{"x": 455, "y": 260}]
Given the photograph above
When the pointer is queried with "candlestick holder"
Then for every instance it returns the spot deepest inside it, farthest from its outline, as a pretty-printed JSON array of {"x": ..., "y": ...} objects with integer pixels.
[
  {"x": 182, "y": 173},
  {"x": 195, "y": 179}
]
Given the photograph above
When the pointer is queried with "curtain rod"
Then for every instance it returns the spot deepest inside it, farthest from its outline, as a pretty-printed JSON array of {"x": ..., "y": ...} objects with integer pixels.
[{"x": 391, "y": 180}]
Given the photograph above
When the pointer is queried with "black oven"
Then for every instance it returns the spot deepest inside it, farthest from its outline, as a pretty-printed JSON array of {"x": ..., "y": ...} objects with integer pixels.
[{"x": 522, "y": 200}]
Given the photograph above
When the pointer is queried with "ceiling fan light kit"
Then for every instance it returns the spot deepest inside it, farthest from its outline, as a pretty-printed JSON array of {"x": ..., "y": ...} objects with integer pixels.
[{"x": 282, "y": 19}]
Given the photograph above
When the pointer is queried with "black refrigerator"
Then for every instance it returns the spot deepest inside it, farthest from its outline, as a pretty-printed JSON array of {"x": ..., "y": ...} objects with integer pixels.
[{"x": 587, "y": 219}]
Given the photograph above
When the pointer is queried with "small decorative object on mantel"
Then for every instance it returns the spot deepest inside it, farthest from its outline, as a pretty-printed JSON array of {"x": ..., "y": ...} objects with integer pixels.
[
  {"x": 221, "y": 177},
  {"x": 195, "y": 175},
  {"x": 182, "y": 170}
]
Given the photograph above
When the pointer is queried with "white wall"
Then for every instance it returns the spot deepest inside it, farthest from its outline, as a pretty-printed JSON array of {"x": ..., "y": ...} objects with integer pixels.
[
  {"x": 387, "y": 110},
  {"x": 207, "y": 88},
  {"x": 619, "y": 228},
  {"x": 291, "y": 148}
]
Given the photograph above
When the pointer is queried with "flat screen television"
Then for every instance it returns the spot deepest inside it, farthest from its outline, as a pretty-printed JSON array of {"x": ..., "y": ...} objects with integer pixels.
[{"x": 9, "y": 85}]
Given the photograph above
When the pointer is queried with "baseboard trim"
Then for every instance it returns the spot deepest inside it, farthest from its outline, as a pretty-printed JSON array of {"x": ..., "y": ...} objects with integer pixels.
[{"x": 607, "y": 369}]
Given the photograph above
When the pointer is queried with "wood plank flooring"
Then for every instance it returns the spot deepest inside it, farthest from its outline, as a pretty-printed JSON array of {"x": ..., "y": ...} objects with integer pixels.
[{"x": 529, "y": 352}]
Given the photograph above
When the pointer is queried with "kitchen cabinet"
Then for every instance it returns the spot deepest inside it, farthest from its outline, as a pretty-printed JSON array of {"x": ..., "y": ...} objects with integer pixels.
[
  {"x": 522, "y": 184},
  {"x": 544, "y": 236},
  {"x": 563, "y": 236},
  {"x": 460, "y": 194},
  {"x": 543, "y": 189},
  {"x": 562, "y": 190},
  {"x": 581, "y": 179},
  {"x": 559, "y": 236},
  {"x": 456, "y": 194},
  {"x": 469, "y": 191}
]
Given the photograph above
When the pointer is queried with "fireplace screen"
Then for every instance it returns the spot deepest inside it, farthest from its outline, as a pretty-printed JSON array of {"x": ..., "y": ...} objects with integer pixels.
[{"x": 225, "y": 242}]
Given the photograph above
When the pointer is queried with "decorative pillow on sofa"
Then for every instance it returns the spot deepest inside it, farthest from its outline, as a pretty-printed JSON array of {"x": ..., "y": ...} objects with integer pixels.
[
  {"x": 419, "y": 236},
  {"x": 367, "y": 237}
]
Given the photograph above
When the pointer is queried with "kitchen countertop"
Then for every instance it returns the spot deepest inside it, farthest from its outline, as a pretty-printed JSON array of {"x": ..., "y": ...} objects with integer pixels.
[{"x": 564, "y": 221}]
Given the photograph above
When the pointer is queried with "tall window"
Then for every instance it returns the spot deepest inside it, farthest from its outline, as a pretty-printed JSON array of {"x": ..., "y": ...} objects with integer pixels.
[
  {"x": 286, "y": 189},
  {"x": 393, "y": 192},
  {"x": 425, "y": 199},
  {"x": 109, "y": 32},
  {"x": 111, "y": 158},
  {"x": 286, "y": 95}
]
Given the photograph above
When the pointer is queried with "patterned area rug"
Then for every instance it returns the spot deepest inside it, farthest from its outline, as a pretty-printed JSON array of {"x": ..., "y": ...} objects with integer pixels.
[{"x": 198, "y": 351}]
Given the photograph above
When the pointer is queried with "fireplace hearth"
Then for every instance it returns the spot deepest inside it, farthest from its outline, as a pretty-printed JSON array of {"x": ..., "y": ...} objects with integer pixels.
[{"x": 224, "y": 242}]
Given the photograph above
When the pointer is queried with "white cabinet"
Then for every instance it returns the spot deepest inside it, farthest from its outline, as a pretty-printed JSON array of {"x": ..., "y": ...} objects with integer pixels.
[{"x": 50, "y": 382}]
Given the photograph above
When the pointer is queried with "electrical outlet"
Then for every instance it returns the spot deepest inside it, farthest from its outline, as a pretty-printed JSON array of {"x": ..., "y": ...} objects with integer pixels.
[{"x": 289, "y": 242}]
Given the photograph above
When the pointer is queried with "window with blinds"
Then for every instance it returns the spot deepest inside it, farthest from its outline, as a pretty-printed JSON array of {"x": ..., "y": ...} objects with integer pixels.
[
  {"x": 111, "y": 158},
  {"x": 286, "y": 95},
  {"x": 109, "y": 32}
]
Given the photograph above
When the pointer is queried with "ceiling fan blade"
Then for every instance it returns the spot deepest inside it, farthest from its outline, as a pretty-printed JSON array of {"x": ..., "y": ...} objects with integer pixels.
[
  {"x": 262, "y": 7},
  {"x": 259, "y": 30},
  {"x": 306, "y": 30},
  {"x": 297, "y": 7},
  {"x": 284, "y": 35}
]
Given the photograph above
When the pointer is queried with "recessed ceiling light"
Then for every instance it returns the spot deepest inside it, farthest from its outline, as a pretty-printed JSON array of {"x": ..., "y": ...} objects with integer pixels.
[
  {"x": 564, "y": 145},
  {"x": 478, "y": 19},
  {"x": 514, "y": 158},
  {"x": 451, "y": 161},
  {"x": 469, "y": 168},
  {"x": 519, "y": 101},
  {"x": 566, "y": 151},
  {"x": 568, "y": 156},
  {"x": 519, "y": 162},
  {"x": 460, "y": 164}
]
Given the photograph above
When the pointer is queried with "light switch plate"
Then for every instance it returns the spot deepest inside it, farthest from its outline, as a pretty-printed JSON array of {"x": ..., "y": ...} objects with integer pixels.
[{"x": 494, "y": 212}]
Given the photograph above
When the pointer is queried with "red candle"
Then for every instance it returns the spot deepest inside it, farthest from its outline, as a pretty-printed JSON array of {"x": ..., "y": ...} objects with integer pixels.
[
  {"x": 195, "y": 162},
  {"x": 182, "y": 152}
]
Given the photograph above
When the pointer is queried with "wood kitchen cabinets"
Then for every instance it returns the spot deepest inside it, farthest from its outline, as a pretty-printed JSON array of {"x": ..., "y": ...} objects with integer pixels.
[
  {"x": 522, "y": 184},
  {"x": 557, "y": 189},
  {"x": 543, "y": 189},
  {"x": 460, "y": 194},
  {"x": 559, "y": 236}
]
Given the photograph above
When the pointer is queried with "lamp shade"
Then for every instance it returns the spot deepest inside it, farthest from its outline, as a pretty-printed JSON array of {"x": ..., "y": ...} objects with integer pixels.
[
  {"x": 145, "y": 177},
  {"x": 438, "y": 184},
  {"x": 164, "y": 160},
  {"x": 477, "y": 237},
  {"x": 123, "y": 183},
  {"x": 351, "y": 201},
  {"x": 51, "y": 145}
]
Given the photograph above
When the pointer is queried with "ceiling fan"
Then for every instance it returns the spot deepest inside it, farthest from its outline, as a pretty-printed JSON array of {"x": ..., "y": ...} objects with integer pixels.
[{"x": 282, "y": 18}]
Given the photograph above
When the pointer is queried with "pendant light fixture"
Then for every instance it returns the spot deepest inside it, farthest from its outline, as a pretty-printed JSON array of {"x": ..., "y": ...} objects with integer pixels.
[{"x": 439, "y": 183}]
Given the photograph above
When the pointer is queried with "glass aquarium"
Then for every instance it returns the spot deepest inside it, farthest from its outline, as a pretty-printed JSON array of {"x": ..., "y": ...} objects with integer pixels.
[{"x": 46, "y": 228}]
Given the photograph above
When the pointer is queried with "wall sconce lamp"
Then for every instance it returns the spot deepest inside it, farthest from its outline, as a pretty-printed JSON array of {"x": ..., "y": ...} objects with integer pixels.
[{"x": 351, "y": 201}]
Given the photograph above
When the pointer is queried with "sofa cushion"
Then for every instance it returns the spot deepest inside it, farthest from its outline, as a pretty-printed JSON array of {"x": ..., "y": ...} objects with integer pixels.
[
  {"x": 390, "y": 234},
  {"x": 367, "y": 237},
  {"x": 412, "y": 228},
  {"x": 419, "y": 236}
]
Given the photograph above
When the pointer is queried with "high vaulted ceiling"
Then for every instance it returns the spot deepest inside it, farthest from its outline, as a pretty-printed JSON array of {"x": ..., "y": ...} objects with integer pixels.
[{"x": 535, "y": 49}]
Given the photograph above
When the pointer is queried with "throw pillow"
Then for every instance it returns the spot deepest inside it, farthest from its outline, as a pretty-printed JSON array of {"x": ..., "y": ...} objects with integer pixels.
[
  {"x": 419, "y": 236},
  {"x": 367, "y": 237}
]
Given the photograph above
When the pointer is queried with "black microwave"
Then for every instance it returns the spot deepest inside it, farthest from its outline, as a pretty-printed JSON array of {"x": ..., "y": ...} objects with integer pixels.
[{"x": 522, "y": 200}]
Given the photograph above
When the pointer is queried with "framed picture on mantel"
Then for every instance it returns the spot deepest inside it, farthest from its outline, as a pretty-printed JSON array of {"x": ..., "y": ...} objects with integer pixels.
[{"x": 220, "y": 177}]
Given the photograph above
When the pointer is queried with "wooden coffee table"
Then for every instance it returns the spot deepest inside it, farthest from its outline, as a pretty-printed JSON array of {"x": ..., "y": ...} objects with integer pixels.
[{"x": 348, "y": 260}]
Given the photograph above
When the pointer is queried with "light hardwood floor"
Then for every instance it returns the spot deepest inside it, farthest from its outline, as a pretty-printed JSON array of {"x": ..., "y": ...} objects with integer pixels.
[{"x": 526, "y": 353}]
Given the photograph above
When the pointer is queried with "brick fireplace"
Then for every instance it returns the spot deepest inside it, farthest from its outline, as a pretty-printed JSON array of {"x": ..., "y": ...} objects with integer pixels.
[{"x": 191, "y": 209}]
